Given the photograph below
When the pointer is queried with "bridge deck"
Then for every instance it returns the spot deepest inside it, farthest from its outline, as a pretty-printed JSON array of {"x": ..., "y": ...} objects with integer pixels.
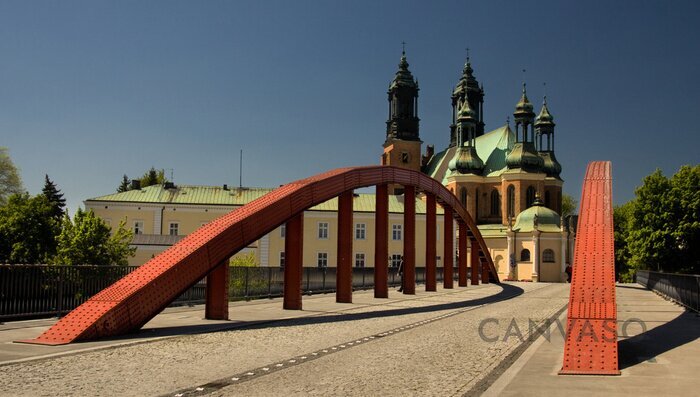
[{"x": 432, "y": 355}]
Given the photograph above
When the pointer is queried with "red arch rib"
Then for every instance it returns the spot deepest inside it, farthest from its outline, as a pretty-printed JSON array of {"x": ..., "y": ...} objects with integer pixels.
[
  {"x": 591, "y": 337},
  {"x": 132, "y": 301}
]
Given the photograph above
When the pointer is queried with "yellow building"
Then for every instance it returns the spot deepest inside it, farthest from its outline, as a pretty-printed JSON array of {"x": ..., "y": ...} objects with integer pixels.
[
  {"x": 160, "y": 215},
  {"x": 499, "y": 177}
]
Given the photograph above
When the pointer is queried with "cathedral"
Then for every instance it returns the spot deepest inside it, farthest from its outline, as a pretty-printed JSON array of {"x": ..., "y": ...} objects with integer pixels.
[{"x": 508, "y": 180}]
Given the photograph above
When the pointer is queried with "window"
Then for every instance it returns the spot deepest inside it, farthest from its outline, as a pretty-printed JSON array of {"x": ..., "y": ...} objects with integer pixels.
[
  {"x": 476, "y": 204},
  {"x": 463, "y": 196},
  {"x": 138, "y": 227},
  {"x": 511, "y": 201},
  {"x": 359, "y": 259},
  {"x": 396, "y": 232},
  {"x": 283, "y": 231},
  {"x": 525, "y": 255},
  {"x": 174, "y": 226},
  {"x": 530, "y": 196},
  {"x": 548, "y": 255},
  {"x": 322, "y": 259},
  {"x": 495, "y": 203},
  {"x": 395, "y": 260},
  {"x": 360, "y": 229},
  {"x": 547, "y": 200},
  {"x": 323, "y": 230},
  {"x": 282, "y": 259},
  {"x": 404, "y": 157},
  {"x": 437, "y": 261}
]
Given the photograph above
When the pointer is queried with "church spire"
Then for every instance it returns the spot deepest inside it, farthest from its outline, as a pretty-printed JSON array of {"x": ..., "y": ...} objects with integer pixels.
[
  {"x": 544, "y": 132},
  {"x": 468, "y": 89},
  {"x": 403, "y": 104},
  {"x": 466, "y": 159},
  {"x": 524, "y": 154}
]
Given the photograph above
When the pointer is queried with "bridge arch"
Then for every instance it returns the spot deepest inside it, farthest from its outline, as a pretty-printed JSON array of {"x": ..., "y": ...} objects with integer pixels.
[{"x": 132, "y": 301}]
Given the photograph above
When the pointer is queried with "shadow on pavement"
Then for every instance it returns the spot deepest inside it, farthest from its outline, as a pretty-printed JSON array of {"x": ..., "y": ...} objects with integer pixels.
[
  {"x": 646, "y": 346},
  {"x": 507, "y": 292}
]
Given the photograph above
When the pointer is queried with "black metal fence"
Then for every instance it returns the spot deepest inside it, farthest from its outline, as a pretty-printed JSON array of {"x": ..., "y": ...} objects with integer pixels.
[
  {"x": 682, "y": 288},
  {"x": 34, "y": 291}
]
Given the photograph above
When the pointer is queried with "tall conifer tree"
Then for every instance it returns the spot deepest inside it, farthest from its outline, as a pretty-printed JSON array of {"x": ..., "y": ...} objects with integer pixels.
[{"x": 55, "y": 197}]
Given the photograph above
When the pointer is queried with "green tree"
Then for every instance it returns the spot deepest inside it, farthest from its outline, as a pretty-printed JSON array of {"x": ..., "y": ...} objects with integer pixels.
[
  {"x": 55, "y": 197},
  {"x": 621, "y": 220},
  {"x": 124, "y": 185},
  {"x": 28, "y": 230},
  {"x": 568, "y": 205},
  {"x": 10, "y": 181},
  {"x": 664, "y": 224},
  {"x": 86, "y": 240},
  {"x": 153, "y": 177}
]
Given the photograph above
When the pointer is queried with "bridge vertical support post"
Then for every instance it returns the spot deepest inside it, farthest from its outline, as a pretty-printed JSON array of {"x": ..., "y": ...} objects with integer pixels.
[
  {"x": 344, "y": 270},
  {"x": 448, "y": 281},
  {"x": 430, "y": 249},
  {"x": 381, "y": 243},
  {"x": 485, "y": 273},
  {"x": 462, "y": 247},
  {"x": 216, "y": 307},
  {"x": 293, "y": 266},
  {"x": 475, "y": 262},
  {"x": 409, "y": 240}
]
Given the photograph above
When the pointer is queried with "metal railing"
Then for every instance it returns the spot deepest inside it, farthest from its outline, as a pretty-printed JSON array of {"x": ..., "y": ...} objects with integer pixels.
[
  {"x": 35, "y": 291},
  {"x": 682, "y": 288}
]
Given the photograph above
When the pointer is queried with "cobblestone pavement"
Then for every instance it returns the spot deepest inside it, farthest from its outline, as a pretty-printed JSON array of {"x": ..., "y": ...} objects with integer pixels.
[{"x": 439, "y": 351}]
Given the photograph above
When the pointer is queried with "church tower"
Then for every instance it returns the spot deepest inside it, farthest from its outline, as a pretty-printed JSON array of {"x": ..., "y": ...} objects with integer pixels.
[
  {"x": 402, "y": 147},
  {"x": 544, "y": 134},
  {"x": 524, "y": 154},
  {"x": 467, "y": 88}
]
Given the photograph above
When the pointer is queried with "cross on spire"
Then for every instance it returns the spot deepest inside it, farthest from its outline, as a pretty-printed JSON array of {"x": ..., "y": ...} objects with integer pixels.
[
  {"x": 467, "y": 54},
  {"x": 403, "y": 47}
]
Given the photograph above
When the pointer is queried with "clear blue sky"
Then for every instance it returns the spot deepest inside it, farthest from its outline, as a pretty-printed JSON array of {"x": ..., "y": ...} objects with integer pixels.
[{"x": 91, "y": 90}]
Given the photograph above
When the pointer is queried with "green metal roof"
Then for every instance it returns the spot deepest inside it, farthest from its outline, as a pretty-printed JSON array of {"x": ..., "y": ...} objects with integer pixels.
[
  {"x": 216, "y": 195},
  {"x": 187, "y": 194},
  {"x": 546, "y": 220},
  {"x": 492, "y": 147}
]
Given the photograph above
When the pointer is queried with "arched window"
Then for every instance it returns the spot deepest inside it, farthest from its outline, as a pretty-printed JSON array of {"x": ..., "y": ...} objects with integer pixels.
[
  {"x": 495, "y": 203},
  {"x": 463, "y": 197},
  {"x": 547, "y": 200},
  {"x": 548, "y": 255},
  {"x": 530, "y": 196},
  {"x": 511, "y": 201},
  {"x": 525, "y": 255}
]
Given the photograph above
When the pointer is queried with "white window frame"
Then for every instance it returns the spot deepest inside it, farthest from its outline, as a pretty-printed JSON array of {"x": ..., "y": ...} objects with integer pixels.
[
  {"x": 323, "y": 230},
  {"x": 395, "y": 260},
  {"x": 138, "y": 227},
  {"x": 177, "y": 228},
  {"x": 360, "y": 259},
  {"x": 283, "y": 231},
  {"x": 282, "y": 259},
  {"x": 360, "y": 231},
  {"x": 397, "y": 232},
  {"x": 438, "y": 259},
  {"x": 322, "y": 259}
]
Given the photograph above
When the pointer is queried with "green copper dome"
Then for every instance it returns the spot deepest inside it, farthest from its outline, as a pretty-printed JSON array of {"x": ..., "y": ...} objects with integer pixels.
[
  {"x": 525, "y": 157},
  {"x": 537, "y": 217},
  {"x": 550, "y": 166},
  {"x": 466, "y": 161},
  {"x": 524, "y": 108},
  {"x": 545, "y": 118}
]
